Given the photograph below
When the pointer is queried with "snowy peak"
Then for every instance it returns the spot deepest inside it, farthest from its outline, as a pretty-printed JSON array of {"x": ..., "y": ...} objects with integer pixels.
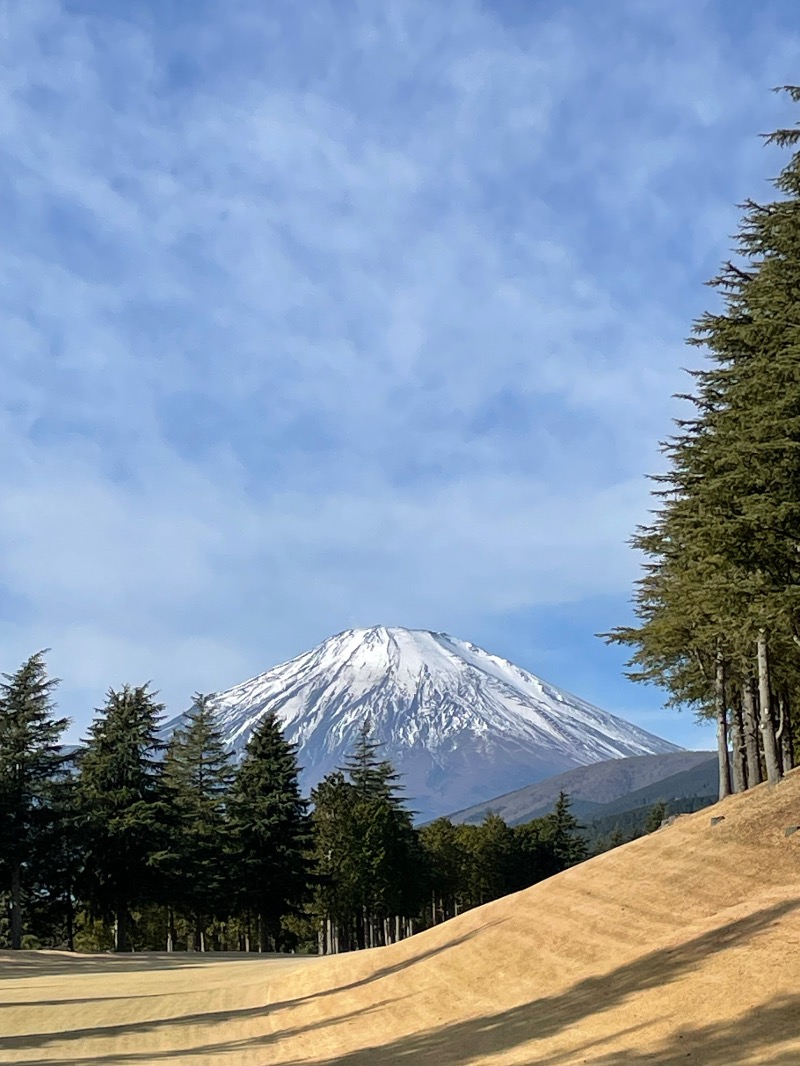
[{"x": 458, "y": 722}]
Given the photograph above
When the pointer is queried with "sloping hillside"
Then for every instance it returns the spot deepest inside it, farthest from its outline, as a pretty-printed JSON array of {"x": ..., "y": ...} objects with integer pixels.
[
  {"x": 589, "y": 787},
  {"x": 682, "y": 947}
]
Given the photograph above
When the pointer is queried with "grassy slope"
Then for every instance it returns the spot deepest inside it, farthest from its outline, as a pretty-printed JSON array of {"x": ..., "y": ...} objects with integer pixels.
[{"x": 681, "y": 947}]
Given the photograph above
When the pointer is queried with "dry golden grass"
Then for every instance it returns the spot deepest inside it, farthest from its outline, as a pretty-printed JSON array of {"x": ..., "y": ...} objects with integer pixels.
[{"x": 683, "y": 947}]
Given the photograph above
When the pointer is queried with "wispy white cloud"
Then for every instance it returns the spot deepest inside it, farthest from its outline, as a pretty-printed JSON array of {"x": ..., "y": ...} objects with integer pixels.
[{"x": 362, "y": 316}]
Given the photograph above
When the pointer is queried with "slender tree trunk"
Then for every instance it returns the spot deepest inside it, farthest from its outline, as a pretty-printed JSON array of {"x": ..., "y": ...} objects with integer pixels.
[
  {"x": 16, "y": 906},
  {"x": 786, "y": 736},
  {"x": 766, "y": 724},
  {"x": 121, "y": 929},
  {"x": 397, "y": 928},
  {"x": 70, "y": 920},
  {"x": 722, "y": 729},
  {"x": 750, "y": 726},
  {"x": 739, "y": 763}
]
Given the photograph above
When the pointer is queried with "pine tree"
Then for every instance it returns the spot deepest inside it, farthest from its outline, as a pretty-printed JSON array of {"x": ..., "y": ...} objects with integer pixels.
[
  {"x": 125, "y": 816},
  {"x": 562, "y": 833},
  {"x": 656, "y": 815},
  {"x": 337, "y": 891},
  {"x": 367, "y": 851},
  {"x": 30, "y": 758},
  {"x": 719, "y": 604},
  {"x": 444, "y": 862},
  {"x": 272, "y": 831},
  {"x": 198, "y": 776},
  {"x": 56, "y": 862}
]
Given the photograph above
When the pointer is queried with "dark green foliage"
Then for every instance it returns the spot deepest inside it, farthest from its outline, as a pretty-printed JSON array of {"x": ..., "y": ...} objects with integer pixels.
[
  {"x": 271, "y": 829},
  {"x": 719, "y": 602},
  {"x": 198, "y": 776},
  {"x": 563, "y": 835},
  {"x": 125, "y": 814},
  {"x": 658, "y": 812},
  {"x": 614, "y": 829},
  {"x": 30, "y": 761},
  {"x": 367, "y": 852},
  {"x": 55, "y": 864}
]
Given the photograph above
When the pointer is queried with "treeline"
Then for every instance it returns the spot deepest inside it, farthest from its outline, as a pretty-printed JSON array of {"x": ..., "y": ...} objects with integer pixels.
[
  {"x": 127, "y": 843},
  {"x": 718, "y": 606}
]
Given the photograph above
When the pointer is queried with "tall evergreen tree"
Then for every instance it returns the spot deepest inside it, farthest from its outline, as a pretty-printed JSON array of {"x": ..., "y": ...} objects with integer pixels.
[
  {"x": 367, "y": 848},
  {"x": 562, "y": 832},
  {"x": 30, "y": 758},
  {"x": 272, "y": 830},
  {"x": 719, "y": 604},
  {"x": 124, "y": 809},
  {"x": 198, "y": 776}
]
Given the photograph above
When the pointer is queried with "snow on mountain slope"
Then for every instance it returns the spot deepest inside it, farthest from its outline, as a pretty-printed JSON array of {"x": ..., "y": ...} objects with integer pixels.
[{"x": 461, "y": 725}]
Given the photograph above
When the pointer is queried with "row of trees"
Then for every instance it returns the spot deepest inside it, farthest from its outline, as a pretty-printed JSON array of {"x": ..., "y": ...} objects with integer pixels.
[
  {"x": 718, "y": 606},
  {"x": 129, "y": 842}
]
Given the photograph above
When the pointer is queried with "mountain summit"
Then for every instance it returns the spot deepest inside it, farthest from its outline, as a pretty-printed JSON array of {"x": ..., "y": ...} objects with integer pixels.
[{"x": 459, "y": 724}]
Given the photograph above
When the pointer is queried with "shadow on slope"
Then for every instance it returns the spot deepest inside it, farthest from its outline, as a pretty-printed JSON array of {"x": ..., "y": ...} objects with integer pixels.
[
  {"x": 464, "y": 1042},
  {"x": 21, "y": 964},
  {"x": 43, "y": 1039}
]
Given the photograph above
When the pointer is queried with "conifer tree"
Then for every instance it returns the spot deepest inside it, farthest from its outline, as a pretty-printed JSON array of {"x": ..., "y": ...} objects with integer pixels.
[
  {"x": 57, "y": 861},
  {"x": 272, "y": 831},
  {"x": 719, "y": 604},
  {"x": 444, "y": 862},
  {"x": 198, "y": 776},
  {"x": 562, "y": 833},
  {"x": 656, "y": 815},
  {"x": 30, "y": 759},
  {"x": 368, "y": 852},
  {"x": 124, "y": 809}
]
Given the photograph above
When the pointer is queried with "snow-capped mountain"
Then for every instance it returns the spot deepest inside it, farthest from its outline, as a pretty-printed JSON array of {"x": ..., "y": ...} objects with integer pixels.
[{"x": 459, "y": 724}]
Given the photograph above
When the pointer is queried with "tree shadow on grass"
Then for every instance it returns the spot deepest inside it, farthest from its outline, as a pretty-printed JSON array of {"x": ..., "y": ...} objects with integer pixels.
[
  {"x": 762, "y": 1030},
  {"x": 384, "y": 971},
  {"x": 22, "y": 964},
  {"x": 222, "y": 1047}
]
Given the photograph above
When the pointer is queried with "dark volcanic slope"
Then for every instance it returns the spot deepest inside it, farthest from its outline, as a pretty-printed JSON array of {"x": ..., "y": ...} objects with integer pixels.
[{"x": 590, "y": 787}]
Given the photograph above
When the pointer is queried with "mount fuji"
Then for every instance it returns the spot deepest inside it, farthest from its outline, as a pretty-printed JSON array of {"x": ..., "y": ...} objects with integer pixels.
[{"x": 460, "y": 725}]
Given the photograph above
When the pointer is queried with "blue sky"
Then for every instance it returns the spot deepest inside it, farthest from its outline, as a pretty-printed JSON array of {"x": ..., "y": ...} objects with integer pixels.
[{"x": 334, "y": 314}]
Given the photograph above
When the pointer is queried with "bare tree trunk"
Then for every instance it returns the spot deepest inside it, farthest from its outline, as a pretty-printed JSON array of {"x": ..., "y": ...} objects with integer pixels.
[
  {"x": 397, "y": 928},
  {"x": 786, "y": 733},
  {"x": 722, "y": 729},
  {"x": 16, "y": 906},
  {"x": 739, "y": 764},
  {"x": 70, "y": 920},
  {"x": 121, "y": 929},
  {"x": 766, "y": 724},
  {"x": 750, "y": 726}
]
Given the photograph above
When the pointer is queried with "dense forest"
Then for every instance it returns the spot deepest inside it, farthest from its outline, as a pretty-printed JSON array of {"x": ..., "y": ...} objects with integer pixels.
[
  {"x": 718, "y": 605},
  {"x": 127, "y": 843}
]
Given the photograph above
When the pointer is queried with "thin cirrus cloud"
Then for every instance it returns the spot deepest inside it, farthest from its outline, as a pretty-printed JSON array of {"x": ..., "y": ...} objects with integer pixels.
[{"x": 321, "y": 315}]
